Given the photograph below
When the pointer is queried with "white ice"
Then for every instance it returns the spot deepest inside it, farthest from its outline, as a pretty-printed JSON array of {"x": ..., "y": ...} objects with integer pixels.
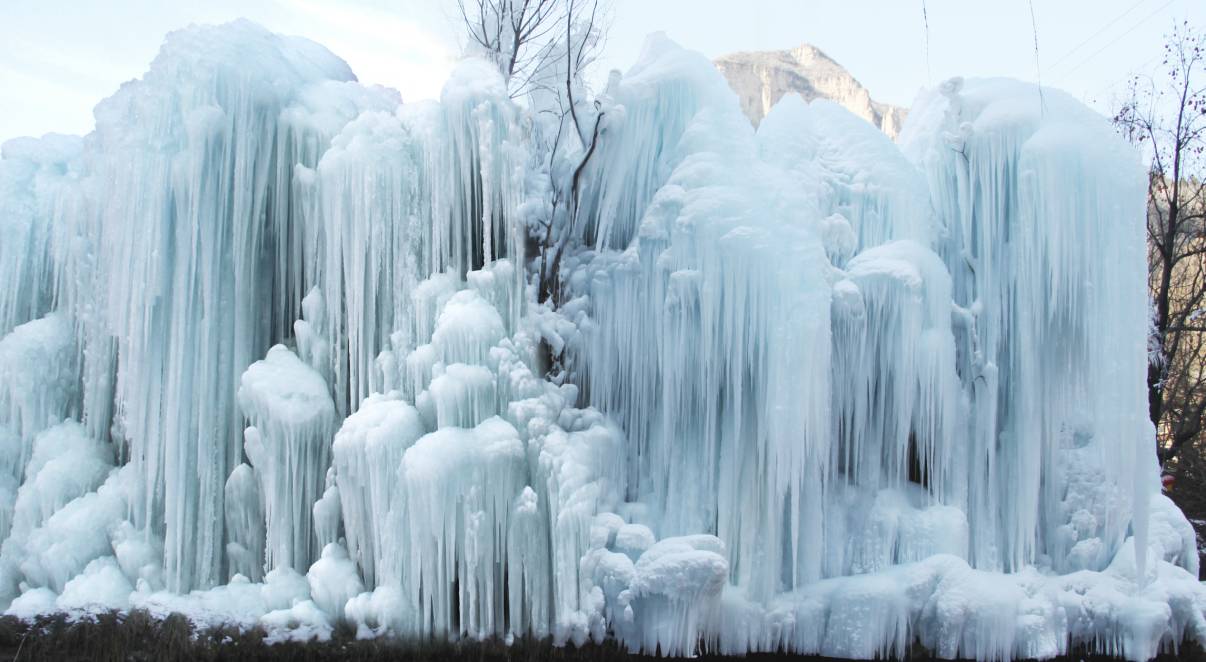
[{"x": 271, "y": 355}]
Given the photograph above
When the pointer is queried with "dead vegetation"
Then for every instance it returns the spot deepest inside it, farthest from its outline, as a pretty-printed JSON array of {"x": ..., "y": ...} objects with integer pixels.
[{"x": 138, "y": 636}]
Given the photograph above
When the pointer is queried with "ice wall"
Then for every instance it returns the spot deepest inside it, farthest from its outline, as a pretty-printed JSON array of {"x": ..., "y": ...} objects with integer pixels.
[
  {"x": 188, "y": 232},
  {"x": 1044, "y": 252},
  {"x": 36, "y": 176},
  {"x": 939, "y": 395},
  {"x": 272, "y": 356},
  {"x": 187, "y": 226},
  {"x": 288, "y": 444}
]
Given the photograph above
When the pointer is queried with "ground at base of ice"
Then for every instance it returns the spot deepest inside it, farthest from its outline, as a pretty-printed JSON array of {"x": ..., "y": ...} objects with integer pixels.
[{"x": 137, "y": 635}]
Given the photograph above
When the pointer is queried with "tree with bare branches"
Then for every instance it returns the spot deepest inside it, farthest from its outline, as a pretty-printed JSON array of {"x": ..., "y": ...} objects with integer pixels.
[
  {"x": 524, "y": 36},
  {"x": 1167, "y": 117},
  {"x": 583, "y": 39},
  {"x": 544, "y": 49}
]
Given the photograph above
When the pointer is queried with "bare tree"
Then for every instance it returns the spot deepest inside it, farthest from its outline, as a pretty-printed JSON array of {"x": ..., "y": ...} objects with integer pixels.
[
  {"x": 1168, "y": 118},
  {"x": 519, "y": 35},
  {"x": 582, "y": 42},
  {"x": 544, "y": 48}
]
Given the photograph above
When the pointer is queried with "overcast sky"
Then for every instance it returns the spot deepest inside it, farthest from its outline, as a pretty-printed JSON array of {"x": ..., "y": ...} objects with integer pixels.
[{"x": 58, "y": 58}]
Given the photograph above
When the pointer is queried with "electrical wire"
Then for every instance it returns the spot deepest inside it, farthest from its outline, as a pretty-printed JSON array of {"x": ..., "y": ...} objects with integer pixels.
[
  {"x": 1116, "y": 39},
  {"x": 1093, "y": 36}
]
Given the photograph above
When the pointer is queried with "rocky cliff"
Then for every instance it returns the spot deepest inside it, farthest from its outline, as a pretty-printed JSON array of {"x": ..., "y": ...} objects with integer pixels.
[{"x": 761, "y": 78}]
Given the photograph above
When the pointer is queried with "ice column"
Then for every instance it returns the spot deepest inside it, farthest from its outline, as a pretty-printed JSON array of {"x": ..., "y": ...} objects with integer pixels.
[{"x": 289, "y": 444}]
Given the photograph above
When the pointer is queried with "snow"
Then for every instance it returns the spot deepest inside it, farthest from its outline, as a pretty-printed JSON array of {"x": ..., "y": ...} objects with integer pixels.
[
  {"x": 380, "y": 612},
  {"x": 304, "y": 621},
  {"x": 102, "y": 586},
  {"x": 240, "y": 602},
  {"x": 33, "y": 603},
  {"x": 66, "y": 464},
  {"x": 803, "y": 389},
  {"x": 333, "y": 580},
  {"x": 60, "y": 548}
]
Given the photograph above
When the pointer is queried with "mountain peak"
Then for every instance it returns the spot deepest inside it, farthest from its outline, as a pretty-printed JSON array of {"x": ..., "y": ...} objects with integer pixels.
[{"x": 761, "y": 78}]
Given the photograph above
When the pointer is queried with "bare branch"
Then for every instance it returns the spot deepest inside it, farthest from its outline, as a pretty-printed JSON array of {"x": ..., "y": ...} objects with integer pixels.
[{"x": 1169, "y": 122}]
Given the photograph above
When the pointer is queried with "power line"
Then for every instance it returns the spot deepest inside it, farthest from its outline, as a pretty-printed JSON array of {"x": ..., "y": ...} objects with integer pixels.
[
  {"x": 1093, "y": 36},
  {"x": 926, "y": 18},
  {"x": 1116, "y": 39},
  {"x": 1038, "y": 71}
]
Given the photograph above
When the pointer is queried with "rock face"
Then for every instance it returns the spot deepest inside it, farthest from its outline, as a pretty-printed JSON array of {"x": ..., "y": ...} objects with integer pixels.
[{"x": 761, "y": 78}]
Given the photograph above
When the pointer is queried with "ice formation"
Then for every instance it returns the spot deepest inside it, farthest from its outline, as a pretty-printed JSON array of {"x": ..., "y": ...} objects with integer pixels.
[{"x": 271, "y": 353}]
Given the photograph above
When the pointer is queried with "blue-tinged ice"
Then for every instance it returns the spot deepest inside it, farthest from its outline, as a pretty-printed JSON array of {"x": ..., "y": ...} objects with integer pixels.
[{"x": 272, "y": 354}]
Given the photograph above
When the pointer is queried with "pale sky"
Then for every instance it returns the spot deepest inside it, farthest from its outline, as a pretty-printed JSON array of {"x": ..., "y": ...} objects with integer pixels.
[{"x": 58, "y": 58}]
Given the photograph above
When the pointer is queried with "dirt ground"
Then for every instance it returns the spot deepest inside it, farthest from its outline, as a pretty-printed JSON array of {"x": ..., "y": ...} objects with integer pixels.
[{"x": 139, "y": 637}]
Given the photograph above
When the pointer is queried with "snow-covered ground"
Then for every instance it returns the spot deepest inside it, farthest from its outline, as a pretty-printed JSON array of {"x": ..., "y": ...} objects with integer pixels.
[{"x": 271, "y": 354}]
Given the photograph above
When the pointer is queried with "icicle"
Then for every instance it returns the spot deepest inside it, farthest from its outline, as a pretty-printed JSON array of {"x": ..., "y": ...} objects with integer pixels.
[
  {"x": 293, "y": 419},
  {"x": 373, "y": 229},
  {"x": 367, "y": 452},
  {"x": 36, "y": 177},
  {"x": 245, "y": 523},
  {"x": 38, "y": 387},
  {"x": 455, "y": 494}
]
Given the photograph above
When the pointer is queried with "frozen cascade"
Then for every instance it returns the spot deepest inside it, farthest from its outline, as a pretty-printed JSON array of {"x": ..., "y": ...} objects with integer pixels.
[
  {"x": 478, "y": 472},
  {"x": 292, "y": 420},
  {"x": 271, "y": 355},
  {"x": 371, "y": 174},
  {"x": 245, "y": 523},
  {"x": 716, "y": 246},
  {"x": 188, "y": 194},
  {"x": 36, "y": 177},
  {"x": 38, "y": 387},
  {"x": 863, "y": 186},
  {"x": 895, "y": 388},
  {"x": 1030, "y": 215},
  {"x": 659, "y": 96},
  {"x": 368, "y": 449}
]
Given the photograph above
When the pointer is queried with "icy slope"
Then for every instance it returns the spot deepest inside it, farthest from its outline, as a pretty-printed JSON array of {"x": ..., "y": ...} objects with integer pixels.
[{"x": 273, "y": 357}]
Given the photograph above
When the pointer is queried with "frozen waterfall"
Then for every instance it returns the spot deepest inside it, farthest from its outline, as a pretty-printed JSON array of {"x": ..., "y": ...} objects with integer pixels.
[{"x": 271, "y": 354}]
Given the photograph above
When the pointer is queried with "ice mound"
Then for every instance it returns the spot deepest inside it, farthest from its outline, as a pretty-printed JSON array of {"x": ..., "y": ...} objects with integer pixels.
[{"x": 272, "y": 354}]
